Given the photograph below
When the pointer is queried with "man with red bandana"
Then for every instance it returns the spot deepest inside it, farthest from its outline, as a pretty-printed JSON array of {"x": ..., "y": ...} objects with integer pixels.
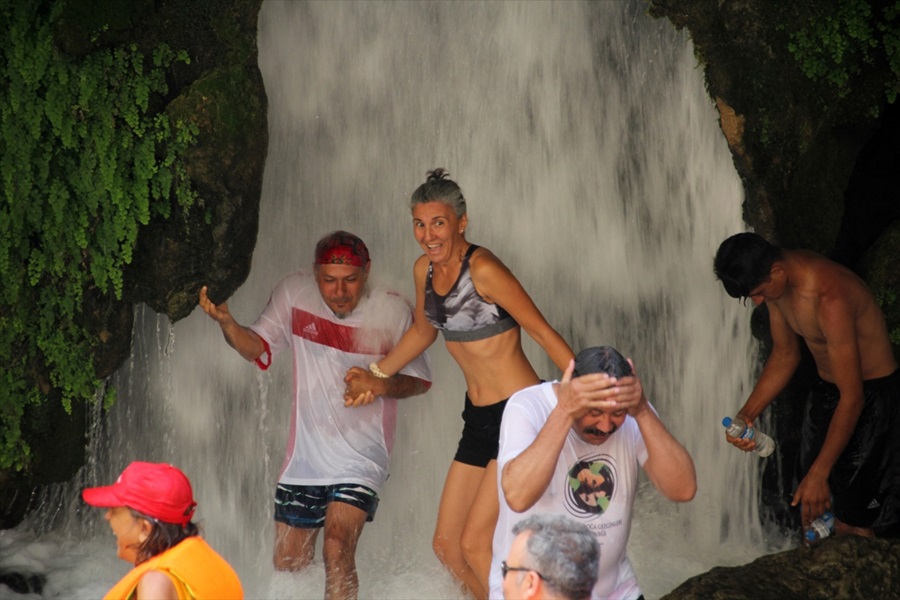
[{"x": 338, "y": 450}]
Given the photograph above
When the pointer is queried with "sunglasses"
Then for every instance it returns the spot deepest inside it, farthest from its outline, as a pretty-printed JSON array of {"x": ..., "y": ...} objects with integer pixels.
[{"x": 505, "y": 568}]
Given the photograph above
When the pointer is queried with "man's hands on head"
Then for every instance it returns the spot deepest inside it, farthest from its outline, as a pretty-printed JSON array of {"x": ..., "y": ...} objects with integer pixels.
[{"x": 599, "y": 391}]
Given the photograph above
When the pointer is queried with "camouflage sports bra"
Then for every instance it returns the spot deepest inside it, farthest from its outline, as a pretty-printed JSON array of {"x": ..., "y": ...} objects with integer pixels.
[{"x": 462, "y": 315}]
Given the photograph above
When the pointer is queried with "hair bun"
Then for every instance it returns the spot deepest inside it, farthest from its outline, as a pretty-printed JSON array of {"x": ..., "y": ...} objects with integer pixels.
[{"x": 438, "y": 174}]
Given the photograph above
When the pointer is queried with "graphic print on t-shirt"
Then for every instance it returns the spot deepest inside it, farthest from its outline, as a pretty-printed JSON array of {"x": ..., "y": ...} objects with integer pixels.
[{"x": 592, "y": 486}]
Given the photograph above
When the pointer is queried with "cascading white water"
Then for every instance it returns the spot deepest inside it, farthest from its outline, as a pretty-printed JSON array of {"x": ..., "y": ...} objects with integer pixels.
[{"x": 593, "y": 165}]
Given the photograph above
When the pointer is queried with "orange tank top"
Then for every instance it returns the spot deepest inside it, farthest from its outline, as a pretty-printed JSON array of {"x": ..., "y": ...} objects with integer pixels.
[{"x": 197, "y": 571}]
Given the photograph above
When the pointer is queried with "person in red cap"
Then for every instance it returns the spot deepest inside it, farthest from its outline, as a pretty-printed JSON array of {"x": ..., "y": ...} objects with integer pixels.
[
  {"x": 338, "y": 451},
  {"x": 149, "y": 509}
]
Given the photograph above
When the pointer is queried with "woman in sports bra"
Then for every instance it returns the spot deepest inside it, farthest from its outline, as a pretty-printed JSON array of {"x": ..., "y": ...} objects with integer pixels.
[{"x": 480, "y": 307}]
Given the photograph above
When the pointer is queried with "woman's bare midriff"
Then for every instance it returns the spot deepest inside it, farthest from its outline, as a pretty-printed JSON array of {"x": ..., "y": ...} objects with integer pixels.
[{"x": 494, "y": 368}]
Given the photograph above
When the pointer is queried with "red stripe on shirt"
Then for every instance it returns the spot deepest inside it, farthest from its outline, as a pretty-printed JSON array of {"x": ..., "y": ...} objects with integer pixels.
[
  {"x": 322, "y": 331},
  {"x": 344, "y": 338}
]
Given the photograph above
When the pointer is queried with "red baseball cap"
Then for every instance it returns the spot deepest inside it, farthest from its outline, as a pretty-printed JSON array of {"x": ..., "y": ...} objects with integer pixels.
[{"x": 157, "y": 490}]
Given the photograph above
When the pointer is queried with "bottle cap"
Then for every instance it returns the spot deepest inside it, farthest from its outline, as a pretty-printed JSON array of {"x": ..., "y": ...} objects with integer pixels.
[{"x": 727, "y": 421}]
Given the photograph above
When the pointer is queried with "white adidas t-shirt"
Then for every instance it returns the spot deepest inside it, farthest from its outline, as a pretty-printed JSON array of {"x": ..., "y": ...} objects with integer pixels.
[{"x": 328, "y": 442}]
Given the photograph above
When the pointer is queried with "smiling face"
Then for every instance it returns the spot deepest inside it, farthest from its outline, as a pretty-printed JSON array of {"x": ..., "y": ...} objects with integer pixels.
[
  {"x": 438, "y": 230},
  {"x": 130, "y": 531},
  {"x": 342, "y": 286},
  {"x": 597, "y": 425}
]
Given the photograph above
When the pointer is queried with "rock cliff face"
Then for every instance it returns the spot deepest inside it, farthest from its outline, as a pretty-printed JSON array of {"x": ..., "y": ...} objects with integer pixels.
[
  {"x": 818, "y": 160},
  {"x": 840, "y": 567},
  {"x": 813, "y": 153},
  {"x": 817, "y": 155},
  {"x": 221, "y": 90}
]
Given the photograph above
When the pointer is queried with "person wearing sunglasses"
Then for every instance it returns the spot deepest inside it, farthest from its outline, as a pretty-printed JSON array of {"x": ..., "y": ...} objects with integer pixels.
[{"x": 552, "y": 557}]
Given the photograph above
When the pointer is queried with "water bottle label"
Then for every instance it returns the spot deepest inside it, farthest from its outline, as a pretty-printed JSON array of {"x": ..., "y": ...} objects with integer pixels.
[{"x": 820, "y": 528}]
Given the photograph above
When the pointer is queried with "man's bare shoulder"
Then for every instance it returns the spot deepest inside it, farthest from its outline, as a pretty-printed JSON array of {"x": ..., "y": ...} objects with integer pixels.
[
  {"x": 832, "y": 302},
  {"x": 828, "y": 280}
]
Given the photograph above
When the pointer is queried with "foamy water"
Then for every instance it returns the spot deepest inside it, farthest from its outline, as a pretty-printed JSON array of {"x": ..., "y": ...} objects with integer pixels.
[{"x": 593, "y": 166}]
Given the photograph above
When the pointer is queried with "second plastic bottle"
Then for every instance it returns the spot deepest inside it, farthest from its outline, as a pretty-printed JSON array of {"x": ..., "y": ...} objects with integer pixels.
[{"x": 821, "y": 528}]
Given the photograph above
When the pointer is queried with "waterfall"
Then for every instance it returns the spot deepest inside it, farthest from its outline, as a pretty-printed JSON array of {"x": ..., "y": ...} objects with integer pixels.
[{"x": 593, "y": 166}]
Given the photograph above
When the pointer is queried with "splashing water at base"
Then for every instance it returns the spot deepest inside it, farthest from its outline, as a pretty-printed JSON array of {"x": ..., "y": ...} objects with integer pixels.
[{"x": 593, "y": 166}]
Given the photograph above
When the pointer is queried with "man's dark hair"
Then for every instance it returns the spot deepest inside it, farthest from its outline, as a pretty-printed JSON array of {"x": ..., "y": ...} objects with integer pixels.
[
  {"x": 601, "y": 359},
  {"x": 743, "y": 261}
]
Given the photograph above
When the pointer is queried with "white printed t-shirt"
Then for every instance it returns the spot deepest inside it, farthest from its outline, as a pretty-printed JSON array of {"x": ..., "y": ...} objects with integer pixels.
[
  {"x": 592, "y": 484},
  {"x": 329, "y": 443}
]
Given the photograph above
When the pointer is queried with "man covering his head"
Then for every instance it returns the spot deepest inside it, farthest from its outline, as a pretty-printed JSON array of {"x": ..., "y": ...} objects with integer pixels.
[{"x": 573, "y": 447}]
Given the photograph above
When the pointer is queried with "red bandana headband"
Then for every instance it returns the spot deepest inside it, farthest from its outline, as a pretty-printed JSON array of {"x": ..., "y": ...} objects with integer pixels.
[{"x": 342, "y": 248}]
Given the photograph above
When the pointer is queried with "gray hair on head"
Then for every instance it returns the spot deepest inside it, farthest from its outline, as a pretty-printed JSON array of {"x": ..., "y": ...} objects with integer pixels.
[
  {"x": 565, "y": 553},
  {"x": 601, "y": 359},
  {"x": 440, "y": 188}
]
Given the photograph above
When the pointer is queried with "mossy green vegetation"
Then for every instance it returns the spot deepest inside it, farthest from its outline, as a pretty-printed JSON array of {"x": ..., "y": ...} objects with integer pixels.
[
  {"x": 841, "y": 38},
  {"x": 86, "y": 158},
  {"x": 888, "y": 301}
]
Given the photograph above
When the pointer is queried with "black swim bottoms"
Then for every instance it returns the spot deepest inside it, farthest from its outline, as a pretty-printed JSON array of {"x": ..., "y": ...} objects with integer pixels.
[
  {"x": 480, "y": 439},
  {"x": 865, "y": 479}
]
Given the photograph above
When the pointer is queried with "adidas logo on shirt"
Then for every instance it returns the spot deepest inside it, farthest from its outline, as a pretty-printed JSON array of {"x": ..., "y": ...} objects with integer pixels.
[
  {"x": 310, "y": 330},
  {"x": 873, "y": 504}
]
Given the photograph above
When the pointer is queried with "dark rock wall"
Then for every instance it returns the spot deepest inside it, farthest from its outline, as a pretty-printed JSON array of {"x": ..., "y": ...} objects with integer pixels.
[
  {"x": 221, "y": 90},
  {"x": 819, "y": 165},
  {"x": 796, "y": 142},
  {"x": 846, "y": 567},
  {"x": 820, "y": 171}
]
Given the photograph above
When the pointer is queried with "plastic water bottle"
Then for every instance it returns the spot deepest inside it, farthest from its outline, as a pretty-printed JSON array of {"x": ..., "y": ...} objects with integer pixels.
[
  {"x": 738, "y": 428},
  {"x": 820, "y": 528}
]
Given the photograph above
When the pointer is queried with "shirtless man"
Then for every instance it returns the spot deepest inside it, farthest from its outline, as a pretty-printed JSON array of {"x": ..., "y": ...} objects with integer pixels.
[{"x": 851, "y": 449}]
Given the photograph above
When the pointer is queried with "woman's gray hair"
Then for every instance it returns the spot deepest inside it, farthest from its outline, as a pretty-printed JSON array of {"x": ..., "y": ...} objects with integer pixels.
[
  {"x": 564, "y": 552},
  {"x": 440, "y": 188}
]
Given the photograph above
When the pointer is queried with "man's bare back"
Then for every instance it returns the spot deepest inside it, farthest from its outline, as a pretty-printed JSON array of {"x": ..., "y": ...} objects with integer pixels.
[{"x": 817, "y": 293}]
